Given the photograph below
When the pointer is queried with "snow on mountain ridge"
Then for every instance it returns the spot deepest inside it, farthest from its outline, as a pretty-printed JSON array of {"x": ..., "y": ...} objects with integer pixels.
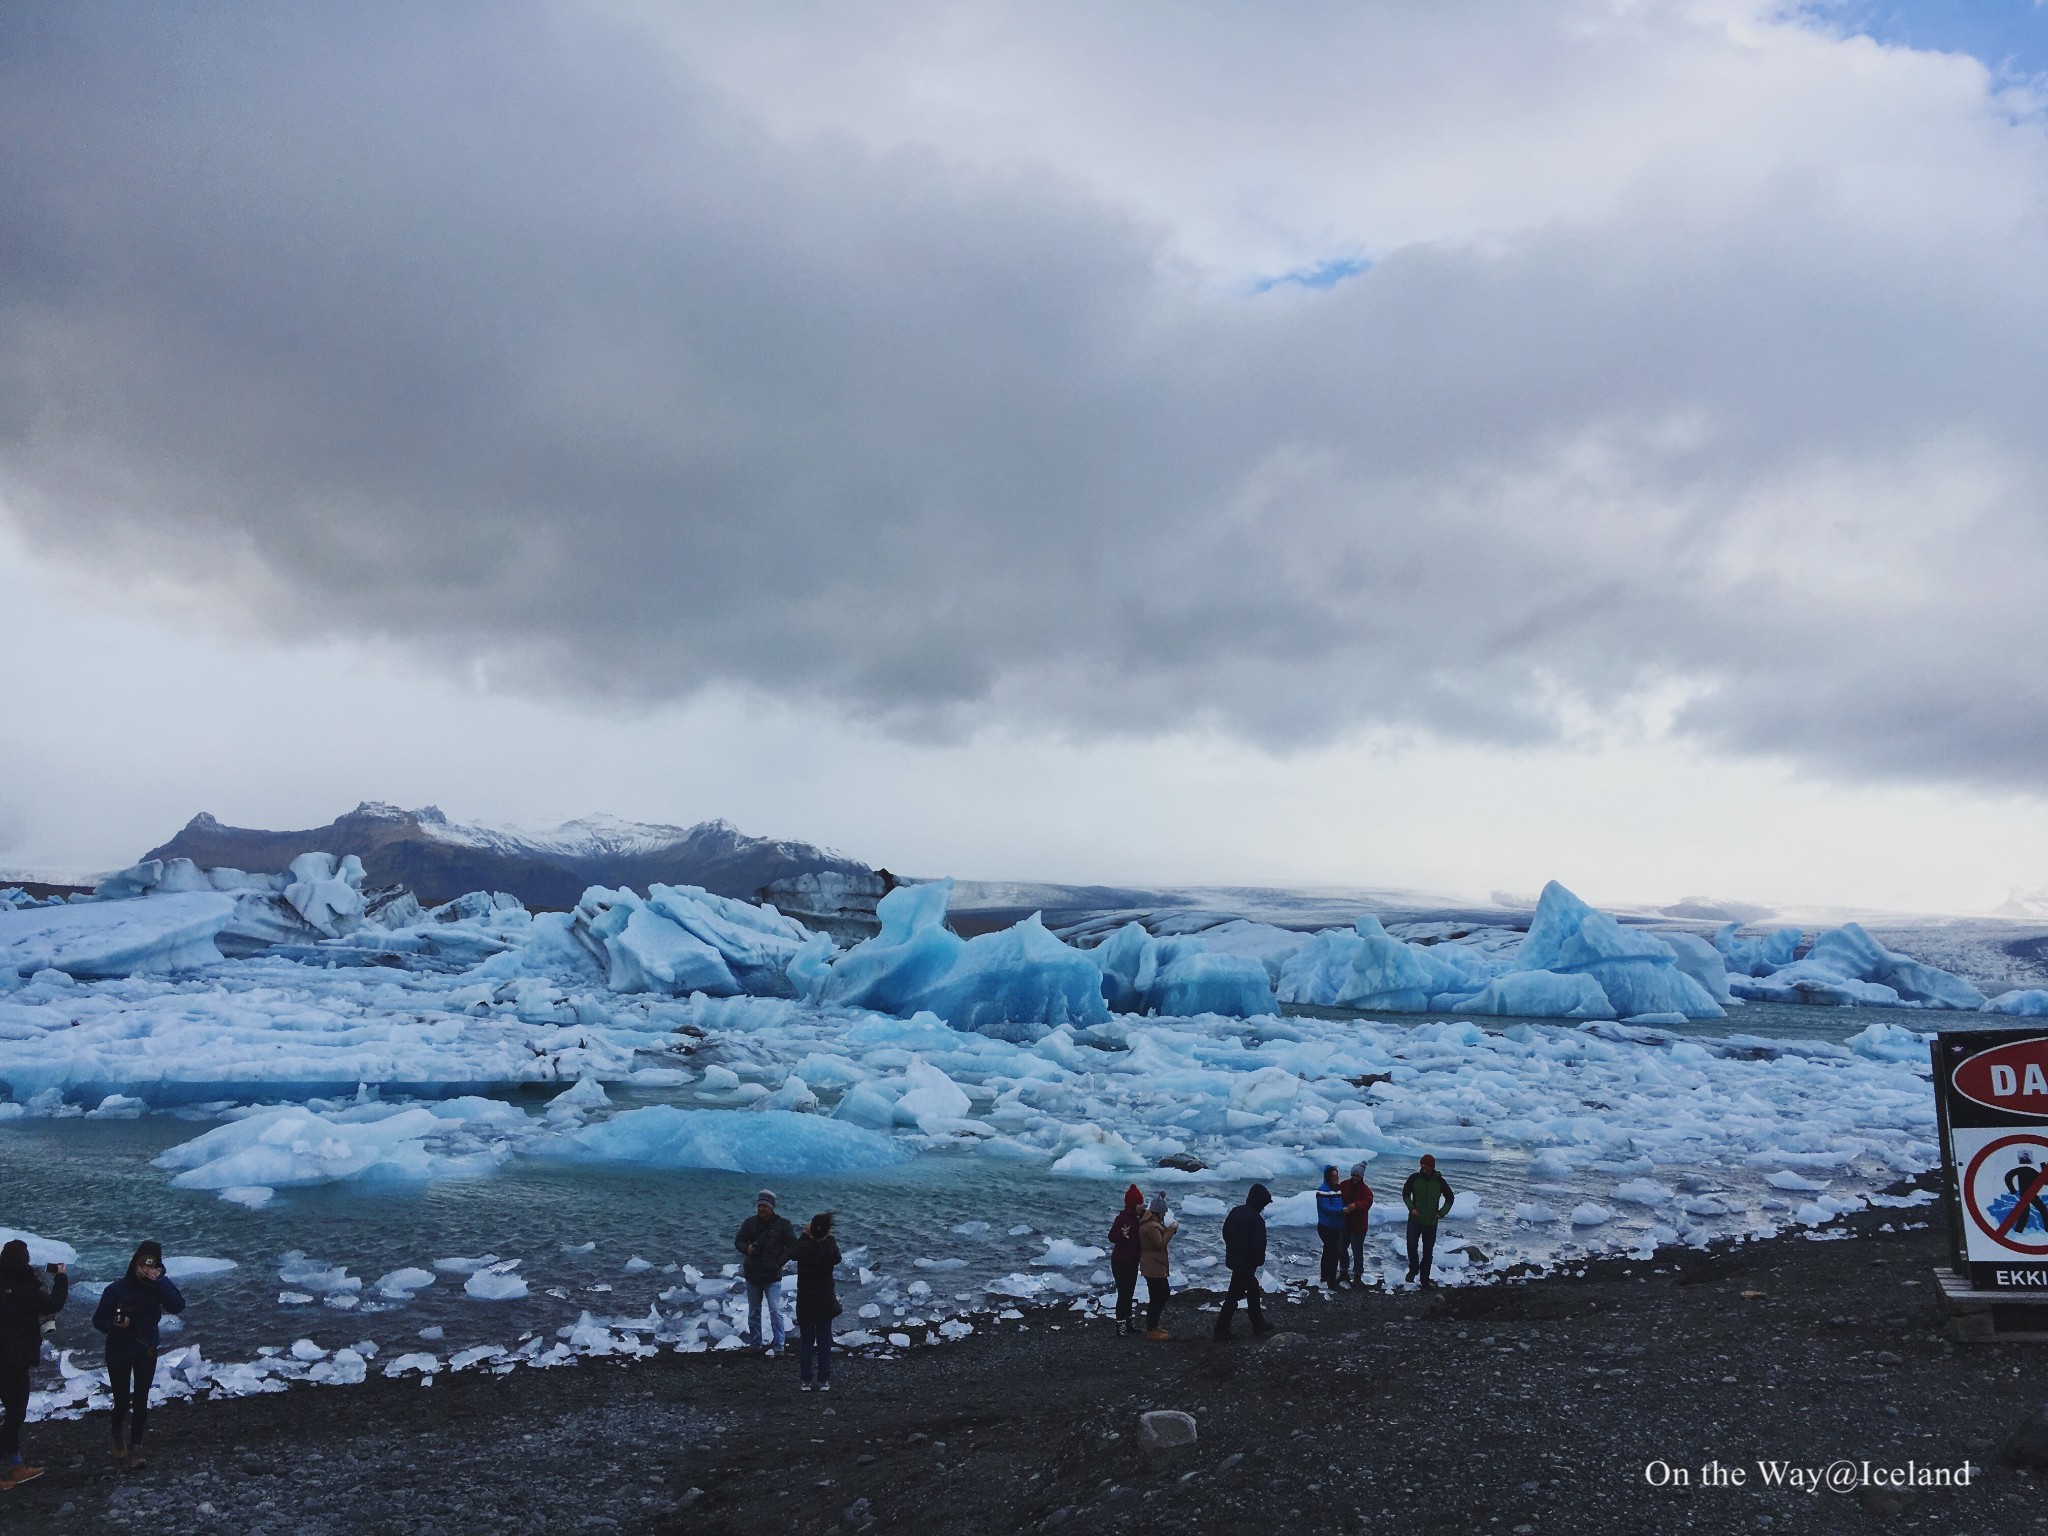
[{"x": 602, "y": 835}]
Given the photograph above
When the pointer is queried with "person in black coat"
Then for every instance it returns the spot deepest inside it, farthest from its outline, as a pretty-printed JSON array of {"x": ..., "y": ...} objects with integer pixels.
[
  {"x": 1244, "y": 1250},
  {"x": 23, "y": 1306},
  {"x": 817, "y": 1301},
  {"x": 764, "y": 1242},
  {"x": 128, "y": 1314}
]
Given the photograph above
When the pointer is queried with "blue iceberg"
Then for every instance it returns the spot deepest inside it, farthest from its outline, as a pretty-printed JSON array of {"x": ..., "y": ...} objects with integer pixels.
[
  {"x": 1846, "y": 965},
  {"x": 775, "y": 1142},
  {"x": 1180, "y": 976},
  {"x": 1015, "y": 984}
]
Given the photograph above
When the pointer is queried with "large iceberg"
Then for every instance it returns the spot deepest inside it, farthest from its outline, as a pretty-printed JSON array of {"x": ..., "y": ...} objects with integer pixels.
[
  {"x": 150, "y": 935},
  {"x": 1366, "y": 967},
  {"x": 1636, "y": 972},
  {"x": 1181, "y": 976},
  {"x": 1317, "y": 972},
  {"x": 1016, "y": 983},
  {"x": 2032, "y": 1003},
  {"x": 1574, "y": 963},
  {"x": 1846, "y": 966},
  {"x": 1539, "y": 995},
  {"x": 682, "y": 939},
  {"x": 1756, "y": 957}
]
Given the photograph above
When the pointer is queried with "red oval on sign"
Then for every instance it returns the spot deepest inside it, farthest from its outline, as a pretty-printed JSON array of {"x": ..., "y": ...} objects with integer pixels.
[{"x": 2011, "y": 1077}]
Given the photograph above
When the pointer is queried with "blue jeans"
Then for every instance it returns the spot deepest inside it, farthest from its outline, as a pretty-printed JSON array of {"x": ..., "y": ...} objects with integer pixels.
[
  {"x": 814, "y": 1342},
  {"x": 772, "y": 1294}
]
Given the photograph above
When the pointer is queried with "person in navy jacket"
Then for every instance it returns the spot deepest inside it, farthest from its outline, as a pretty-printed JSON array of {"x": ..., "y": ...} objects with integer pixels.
[{"x": 128, "y": 1314}]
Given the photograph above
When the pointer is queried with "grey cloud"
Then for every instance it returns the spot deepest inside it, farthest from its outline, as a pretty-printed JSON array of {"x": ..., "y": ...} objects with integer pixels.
[{"x": 496, "y": 333}]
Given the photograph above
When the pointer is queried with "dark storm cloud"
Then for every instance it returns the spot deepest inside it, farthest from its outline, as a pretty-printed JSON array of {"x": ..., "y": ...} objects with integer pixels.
[{"x": 499, "y": 333}]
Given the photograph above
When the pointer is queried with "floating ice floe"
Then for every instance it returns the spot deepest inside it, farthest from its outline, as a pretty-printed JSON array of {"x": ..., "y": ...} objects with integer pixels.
[
  {"x": 769, "y": 1142},
  {"x": 2031, "y": 1003},
  {"x": 152, "y": 935},
  {"x": 1846, "y": 965},
  {"x": 295, "y": 1146},
  {"x": 41, "y": 1250}
]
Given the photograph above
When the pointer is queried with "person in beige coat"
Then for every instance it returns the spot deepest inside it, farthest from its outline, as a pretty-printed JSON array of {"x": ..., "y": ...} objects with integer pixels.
[{"x": 1155, "y": 1237}]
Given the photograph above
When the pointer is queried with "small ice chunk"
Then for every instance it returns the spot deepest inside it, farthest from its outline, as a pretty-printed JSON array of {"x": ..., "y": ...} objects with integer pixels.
[
  {"x": 1589, "y": 1214},
  {"x": 494, "y": 1285},
  {"x": 1785, "y": 1178},
  {"x": 401, "y": 1283},
  {"x": 1060, "y": 1253},
  {"x": 187, "y": 1267}
]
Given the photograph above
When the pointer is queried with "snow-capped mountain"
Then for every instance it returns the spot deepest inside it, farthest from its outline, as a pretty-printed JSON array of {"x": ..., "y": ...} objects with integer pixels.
[{"x": 439, "y": 859}]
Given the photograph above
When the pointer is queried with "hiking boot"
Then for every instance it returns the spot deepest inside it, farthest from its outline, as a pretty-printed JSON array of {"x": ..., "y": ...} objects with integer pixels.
[
  {"x": 14, "y": 1477},
  {"x": 136, "y": 1458},
  {"x": 803, "y": 1386},
  {"x": 1157, "y": 1335},
  {"x": 117, "y": 1445},
  {"x": 824, "y": 1386}
]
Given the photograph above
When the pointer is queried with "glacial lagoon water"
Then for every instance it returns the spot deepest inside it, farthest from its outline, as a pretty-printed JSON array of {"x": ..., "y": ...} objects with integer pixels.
[{"x": 934, "y": 1233}]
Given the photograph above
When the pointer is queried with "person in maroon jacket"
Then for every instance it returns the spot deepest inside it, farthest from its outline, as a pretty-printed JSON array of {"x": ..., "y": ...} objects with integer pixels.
[
  {"x": 1357, "y": 1215},
  {"x": 1123, "y": 1256}
]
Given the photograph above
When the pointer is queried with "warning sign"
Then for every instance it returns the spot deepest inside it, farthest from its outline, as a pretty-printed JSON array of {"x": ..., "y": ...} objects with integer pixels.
[
  {"x": 1991, "y": 1096},
  {"x": 2004, "y": 1181}
]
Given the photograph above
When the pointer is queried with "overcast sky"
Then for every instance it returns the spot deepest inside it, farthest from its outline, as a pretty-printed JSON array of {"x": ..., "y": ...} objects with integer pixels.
[{"x": 1441, "y": 446}]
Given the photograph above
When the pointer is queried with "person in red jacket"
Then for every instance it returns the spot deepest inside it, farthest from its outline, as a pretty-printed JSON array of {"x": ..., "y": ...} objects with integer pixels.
[
  {"x": 1357, "y": 1215},
  {"x": 1123, "y": 1256}
]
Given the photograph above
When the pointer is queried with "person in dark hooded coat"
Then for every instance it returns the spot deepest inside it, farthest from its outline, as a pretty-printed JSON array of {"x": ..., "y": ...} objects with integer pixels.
[
  {"x": 128, "y": 1314},
  {"x": 1123, "y": 1256},
  {"x": 1244, "y": 1250},
  {"x": 816, "y": 1255},
  {"x": 23, "y": 1306}
]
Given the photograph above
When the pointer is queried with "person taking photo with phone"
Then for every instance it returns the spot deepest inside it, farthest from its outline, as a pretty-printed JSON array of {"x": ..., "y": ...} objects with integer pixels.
[{"x": 23, "y": 1306}]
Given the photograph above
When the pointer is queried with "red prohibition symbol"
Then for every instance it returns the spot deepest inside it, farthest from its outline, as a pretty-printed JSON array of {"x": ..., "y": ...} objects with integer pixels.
[{"x": 2000, "y": 1232}]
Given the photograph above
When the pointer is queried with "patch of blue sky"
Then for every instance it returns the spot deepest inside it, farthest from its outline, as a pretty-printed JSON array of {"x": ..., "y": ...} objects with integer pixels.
[
  {"x": 1323, "y": 274},
  {"x": 2010, "y": 37}
]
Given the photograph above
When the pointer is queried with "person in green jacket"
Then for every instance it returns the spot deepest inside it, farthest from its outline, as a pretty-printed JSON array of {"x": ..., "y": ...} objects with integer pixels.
[{"x": 1428, "y": 1196}]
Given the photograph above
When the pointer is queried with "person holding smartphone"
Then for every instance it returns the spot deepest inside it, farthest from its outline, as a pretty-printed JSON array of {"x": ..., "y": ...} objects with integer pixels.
[
  {"x": 23, "y": 1306},
  {"x": 128, "y": 1314}
]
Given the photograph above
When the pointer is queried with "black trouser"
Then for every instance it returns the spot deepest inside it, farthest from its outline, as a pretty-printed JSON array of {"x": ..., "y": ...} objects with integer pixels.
[
  {"x": 814, "y": 1343},
  {"x": 1156, "y": 1292},
  {"x": 1354, "y": 1247},
  {"x": 1126, "y": 1273},
  {"x": 1422, "y": 1233},
  {"x": 14, "y": 1397},
  {"x": 1244, "y": 1286},
  {"x": 132, "y": 1379},
  {"x": 1333, "y": 1253}
]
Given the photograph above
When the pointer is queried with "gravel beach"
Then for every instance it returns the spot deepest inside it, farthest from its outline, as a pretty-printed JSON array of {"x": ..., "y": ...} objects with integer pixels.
[{"x": 1586, "y": 1403}]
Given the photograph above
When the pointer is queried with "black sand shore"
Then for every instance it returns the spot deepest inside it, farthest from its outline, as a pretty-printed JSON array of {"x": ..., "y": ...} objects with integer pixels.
[{"x": 1525, "y": 1408}]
